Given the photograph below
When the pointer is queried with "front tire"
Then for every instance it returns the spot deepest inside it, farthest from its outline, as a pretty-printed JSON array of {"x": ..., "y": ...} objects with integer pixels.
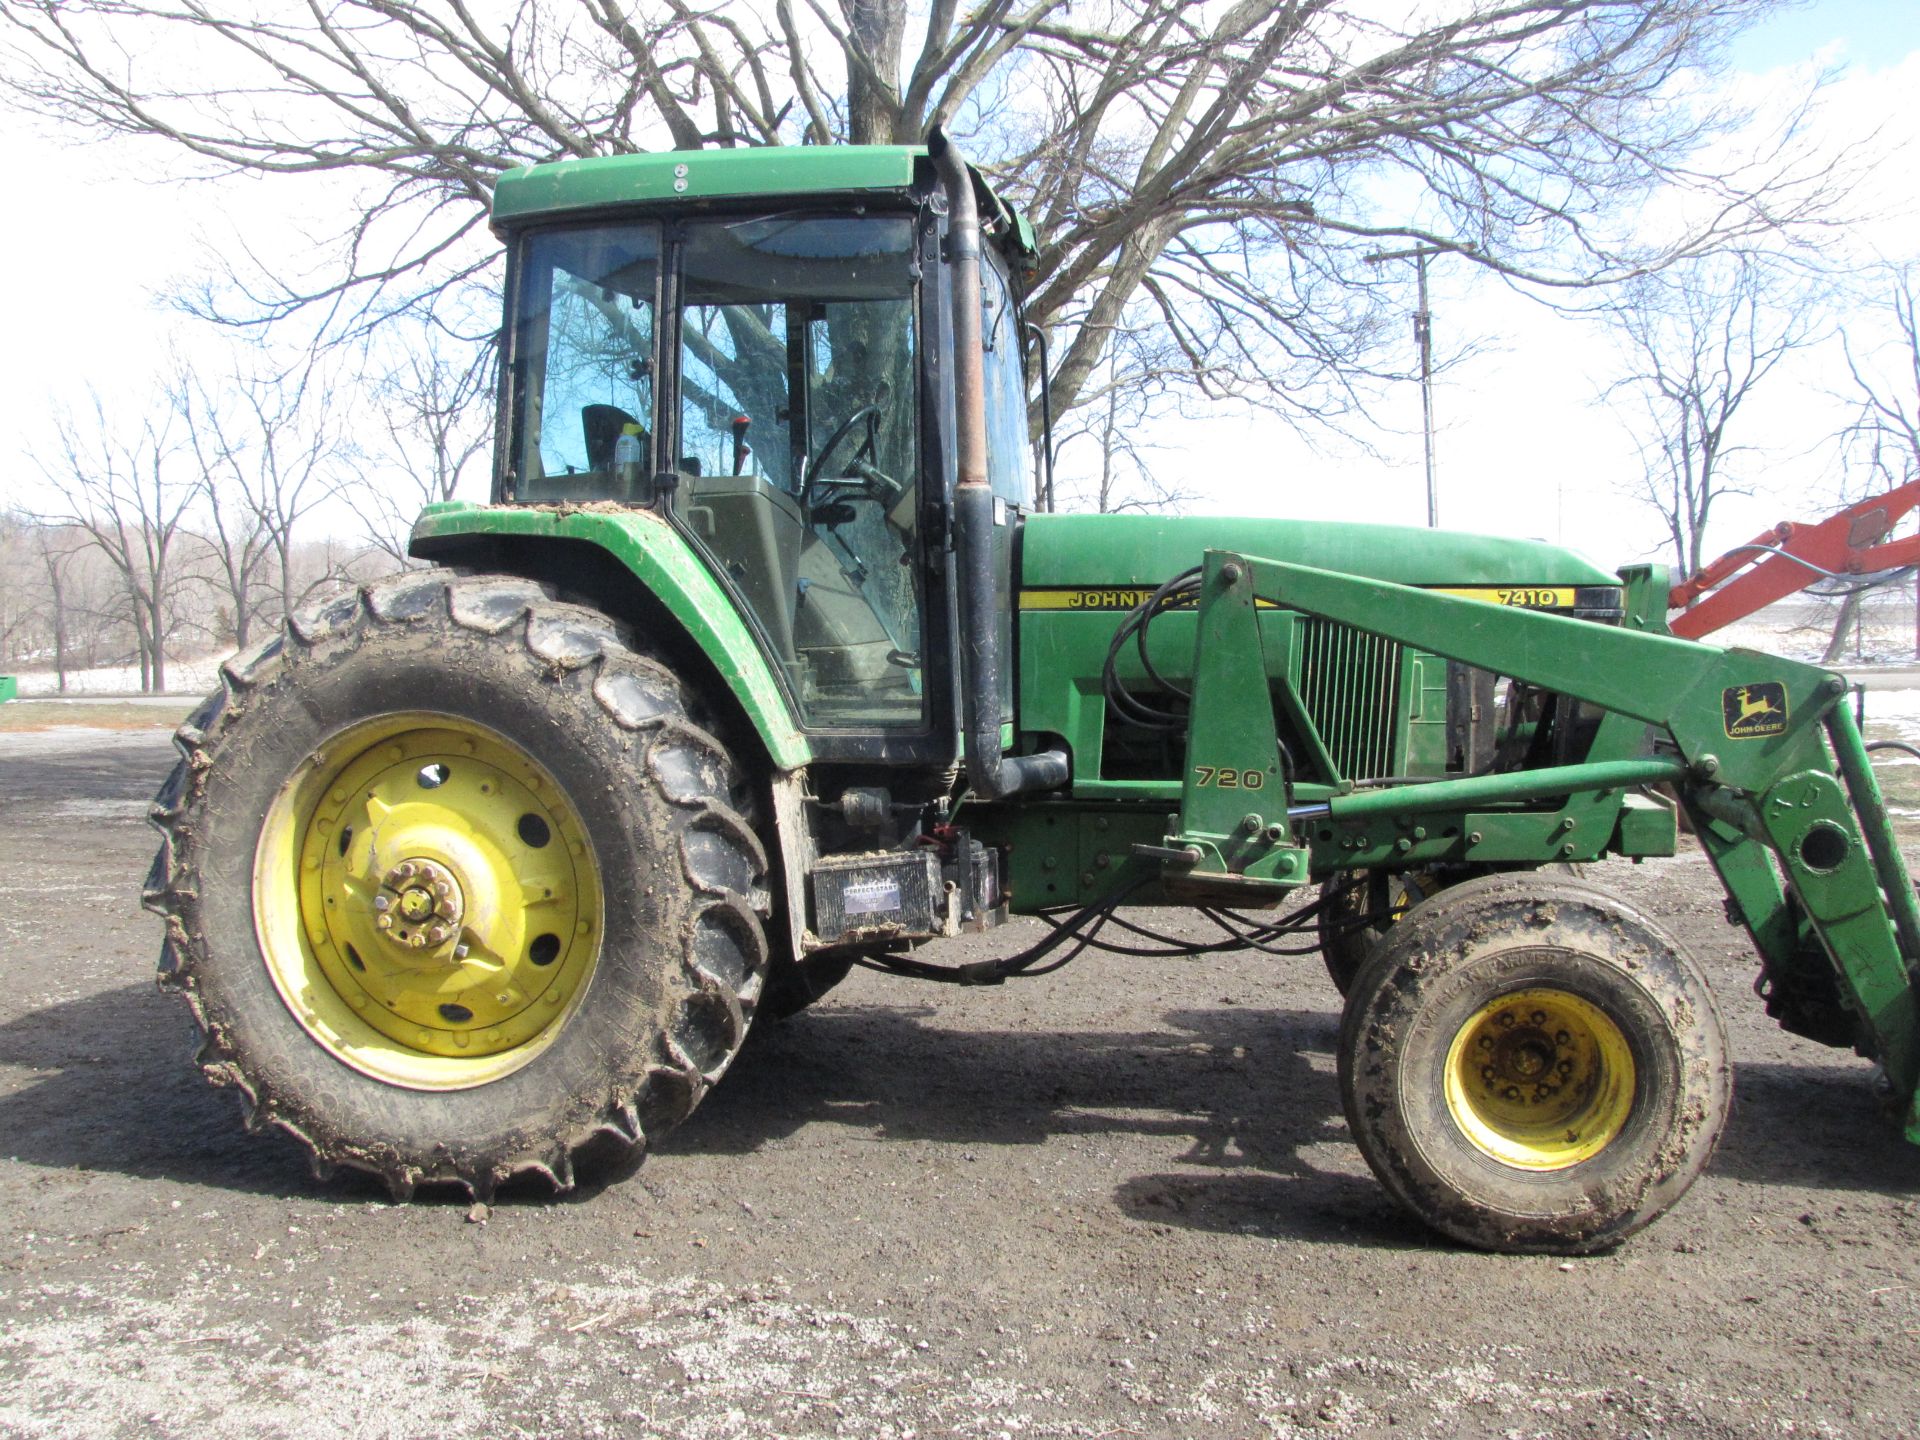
[
  {"x": 1360, "y": 907},
  {"x": 455, "y": 886},
  {"x": 1530, "y": 1065}
]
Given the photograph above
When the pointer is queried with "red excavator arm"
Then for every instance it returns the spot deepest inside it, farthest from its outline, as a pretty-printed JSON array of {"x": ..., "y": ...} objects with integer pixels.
[{"x": 1790, "y": 557}]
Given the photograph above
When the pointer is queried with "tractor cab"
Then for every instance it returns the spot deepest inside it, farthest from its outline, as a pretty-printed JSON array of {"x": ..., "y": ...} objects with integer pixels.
[{"x": 770, "y": 378}]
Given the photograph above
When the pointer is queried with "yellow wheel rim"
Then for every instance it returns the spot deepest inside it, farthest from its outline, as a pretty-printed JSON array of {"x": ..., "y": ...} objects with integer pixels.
[
  {"x": 427, "y": 901},
  {"x": 1406, "y": 890},
  {"x": 1540, "y": 1079}
]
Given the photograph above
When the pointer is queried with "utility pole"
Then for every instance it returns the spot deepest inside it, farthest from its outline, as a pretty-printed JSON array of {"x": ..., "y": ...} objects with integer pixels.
[{"x": 1423, "y": 339}]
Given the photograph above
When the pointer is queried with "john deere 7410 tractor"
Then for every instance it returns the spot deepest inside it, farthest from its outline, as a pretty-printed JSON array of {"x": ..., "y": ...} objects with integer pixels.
[{"x": 760, "y": 665}]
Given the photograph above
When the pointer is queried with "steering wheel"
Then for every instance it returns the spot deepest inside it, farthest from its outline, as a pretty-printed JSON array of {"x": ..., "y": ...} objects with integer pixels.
[{"x": 871, "y": 479}]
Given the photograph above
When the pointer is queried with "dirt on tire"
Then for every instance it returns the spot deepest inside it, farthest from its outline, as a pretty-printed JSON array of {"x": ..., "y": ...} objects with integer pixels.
[{"x": 1121, "y": 1201}]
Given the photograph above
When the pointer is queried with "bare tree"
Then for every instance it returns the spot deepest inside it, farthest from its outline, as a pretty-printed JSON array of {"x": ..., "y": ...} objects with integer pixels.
[
  {"x": 1880, "y": 446},
  {"x": 1885, "y": 433},
  {"x": 1871, "y": 463},
  {"x": 1700, "y": 340},
  {"x": 17, "y": 603},
  {"x": 57, "y": 549},
  {"x": 269, "y": 451},
  {"x": 438, "y": 422},
  {"x": 239, "y": 540},
  {"x": 120, "y": 479},
  {"x": 1214, "y": 173},
  {"x": 38, "y": 588},
  {"x": 1112, "y": 427}
]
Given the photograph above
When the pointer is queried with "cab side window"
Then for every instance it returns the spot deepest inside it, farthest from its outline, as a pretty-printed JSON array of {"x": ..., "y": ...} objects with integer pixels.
[{"x": 1009, "y": 457}]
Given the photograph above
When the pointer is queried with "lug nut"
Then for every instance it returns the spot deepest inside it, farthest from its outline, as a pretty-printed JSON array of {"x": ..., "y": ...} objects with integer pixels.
[{"x": 383, "y": 922}]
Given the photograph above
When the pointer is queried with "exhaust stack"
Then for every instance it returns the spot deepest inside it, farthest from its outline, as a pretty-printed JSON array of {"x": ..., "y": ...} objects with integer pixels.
[{"x": 991, "y": 773}]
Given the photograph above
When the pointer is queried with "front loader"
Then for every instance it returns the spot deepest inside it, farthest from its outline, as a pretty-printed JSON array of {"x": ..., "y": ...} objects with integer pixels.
[{"x": 759, "y": 665}]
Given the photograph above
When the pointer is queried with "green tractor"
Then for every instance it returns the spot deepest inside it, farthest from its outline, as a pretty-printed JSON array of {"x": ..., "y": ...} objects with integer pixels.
[{"x": 760, "y": 665}]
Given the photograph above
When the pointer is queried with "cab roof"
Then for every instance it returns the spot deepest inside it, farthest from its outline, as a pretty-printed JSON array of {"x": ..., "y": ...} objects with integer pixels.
[{"x": 671, "y": 178}]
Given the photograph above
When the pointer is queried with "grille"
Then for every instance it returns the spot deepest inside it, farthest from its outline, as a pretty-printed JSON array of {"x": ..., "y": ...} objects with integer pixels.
[{"x": 1349, "y": 683}]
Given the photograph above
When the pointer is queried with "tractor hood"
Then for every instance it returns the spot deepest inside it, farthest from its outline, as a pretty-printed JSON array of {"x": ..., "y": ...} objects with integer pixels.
[{"x": 1144, "y": 550}]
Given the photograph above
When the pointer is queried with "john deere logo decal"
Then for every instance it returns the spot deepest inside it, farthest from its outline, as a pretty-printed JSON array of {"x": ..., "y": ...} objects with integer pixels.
[{"x": 1754, "y": 712}]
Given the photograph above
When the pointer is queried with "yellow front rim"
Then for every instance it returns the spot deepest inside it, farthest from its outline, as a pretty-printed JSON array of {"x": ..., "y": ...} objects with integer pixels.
[
  {"x": 1406, "y": 890},
  {"x": 1540, "y": 1079},
  {"x": 427, "y": 901}
]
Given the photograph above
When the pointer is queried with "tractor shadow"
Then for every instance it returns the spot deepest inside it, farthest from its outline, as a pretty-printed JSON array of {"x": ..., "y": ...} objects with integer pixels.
[
  {"x": 1247, "y": 1095},
  {"x": 1232, "y": 1111},
  {"x": 115, "y": 1090},
  {"x": 1820, "y": 1126}
]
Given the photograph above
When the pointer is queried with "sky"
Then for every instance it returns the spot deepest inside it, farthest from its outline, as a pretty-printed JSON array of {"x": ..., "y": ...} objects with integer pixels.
[{"x": 1524, "y": 446}]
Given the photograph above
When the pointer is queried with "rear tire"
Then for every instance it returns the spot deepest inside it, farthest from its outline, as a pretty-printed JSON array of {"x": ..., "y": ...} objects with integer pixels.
[
  {"x": 1530, "y": 1065},
  {"x": 794, "y": 985},
  {"x": 455, "y": 887}
]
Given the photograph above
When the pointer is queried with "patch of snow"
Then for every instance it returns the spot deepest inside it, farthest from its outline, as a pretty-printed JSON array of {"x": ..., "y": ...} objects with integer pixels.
[{"x": 185, "y": 677}]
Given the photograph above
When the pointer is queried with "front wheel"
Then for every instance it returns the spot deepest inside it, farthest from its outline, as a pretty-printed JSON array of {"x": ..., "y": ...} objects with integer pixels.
[
  {"x": 1359, "y": 907},
  {"x": 1530, "y": 1065},
  {"x": 456, "y": 886}
]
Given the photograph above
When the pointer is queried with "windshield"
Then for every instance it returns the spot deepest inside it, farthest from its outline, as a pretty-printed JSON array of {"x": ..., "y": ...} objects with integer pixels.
[
  {"x": 797, "y": 445},
  {"x": 584, "y": 363}
]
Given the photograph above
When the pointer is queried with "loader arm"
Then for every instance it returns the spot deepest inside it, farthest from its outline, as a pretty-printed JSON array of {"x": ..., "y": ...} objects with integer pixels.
[
  {"x": 1791, "y": 556},
  {"x": 1768, "y": 764}
]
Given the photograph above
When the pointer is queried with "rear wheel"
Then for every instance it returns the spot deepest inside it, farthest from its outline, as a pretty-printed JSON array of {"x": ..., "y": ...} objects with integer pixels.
[
  {"x": 794, "y": 985},
  {"x": 455, "y": 886},
  {"x": 1530, "y": 1065}
]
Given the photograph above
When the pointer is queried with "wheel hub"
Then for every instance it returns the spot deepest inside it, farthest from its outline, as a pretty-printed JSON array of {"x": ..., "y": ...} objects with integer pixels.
[
  {"x": 1523, "y": 1062},
  {"x": 419, "y": 905},
  {"x": 1540, "y": 1080}
]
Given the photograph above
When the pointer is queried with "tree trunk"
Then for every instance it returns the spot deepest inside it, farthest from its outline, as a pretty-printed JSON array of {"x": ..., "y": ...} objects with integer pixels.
[
  {"x": 1837, "y": 641},
  {"x": 873, "y": 109},
  {"x": 144, "y": 646},
  {"x": 159, "y": 646},
  {"x": 57, "y": 589}
]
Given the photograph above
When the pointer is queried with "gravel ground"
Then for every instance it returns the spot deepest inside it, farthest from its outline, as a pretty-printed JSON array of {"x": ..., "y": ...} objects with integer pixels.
[{"x": 1119, "y": 1202}]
